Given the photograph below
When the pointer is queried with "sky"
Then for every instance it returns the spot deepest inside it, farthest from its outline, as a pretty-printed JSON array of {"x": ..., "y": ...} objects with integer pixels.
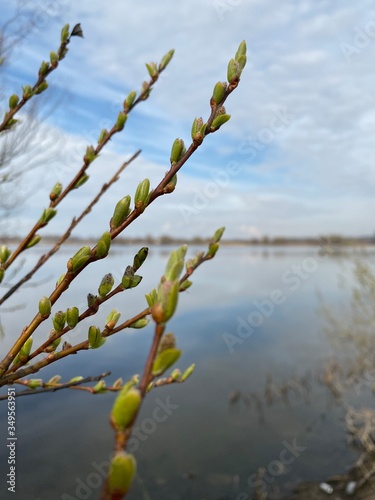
[{"x": 296, "y": 158}]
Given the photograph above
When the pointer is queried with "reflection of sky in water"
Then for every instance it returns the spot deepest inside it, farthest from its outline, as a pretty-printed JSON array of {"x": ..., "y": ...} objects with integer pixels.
[{"x": 205, "y": 442}]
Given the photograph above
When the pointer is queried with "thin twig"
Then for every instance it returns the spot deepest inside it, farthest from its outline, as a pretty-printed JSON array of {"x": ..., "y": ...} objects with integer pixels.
[
  {"x": 67, "y": 385},
  {"x": 43, "y": 259}
]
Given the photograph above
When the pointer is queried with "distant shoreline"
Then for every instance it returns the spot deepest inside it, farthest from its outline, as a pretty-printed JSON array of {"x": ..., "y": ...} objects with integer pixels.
[{"x": 167, "y": 241}]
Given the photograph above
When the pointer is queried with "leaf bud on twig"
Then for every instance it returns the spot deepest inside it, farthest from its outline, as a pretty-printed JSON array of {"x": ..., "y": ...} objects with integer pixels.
[
  {"x": 125, "y": 408},
  {"x": 45, "y": 307},
  {"x": 80, "y": 258},
  {"x": 103, "y": 245},
  {"x": 59, "y": 321},
  {"x": 106, "y": 285},
  {"x": 165, "y": 360},
  {"x": 139, "y": 258},
  {"x": 142, "y": 194},
  {"x": 121, "y": 211},
  {"x": 13, "y": 101},
  {"x": 121, "y": 474},
  {"x": 56, "y": 191},
  {"x": 95, "y": 337},
  {"x": 178, "y": 150},
  {"x": 4, "y": 254},
  {"x": 166, "y": 60},
  {"x": 72, "y": 317}
]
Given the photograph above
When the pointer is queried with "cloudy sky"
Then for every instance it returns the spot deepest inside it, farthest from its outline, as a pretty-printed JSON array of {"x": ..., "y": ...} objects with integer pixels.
[{"x": 296, "y": 157}]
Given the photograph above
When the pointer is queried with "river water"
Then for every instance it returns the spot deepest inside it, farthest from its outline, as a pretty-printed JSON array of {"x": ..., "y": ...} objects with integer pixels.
[{"x": 252, "y": 326}]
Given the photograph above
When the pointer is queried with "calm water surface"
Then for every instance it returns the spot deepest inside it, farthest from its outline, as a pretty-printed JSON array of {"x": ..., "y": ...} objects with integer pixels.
[{"x": 251, "y": 316}]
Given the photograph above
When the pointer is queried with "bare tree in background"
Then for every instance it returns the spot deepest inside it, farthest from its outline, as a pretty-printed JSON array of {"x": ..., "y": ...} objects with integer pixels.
[{"x": 15, "y": 147}]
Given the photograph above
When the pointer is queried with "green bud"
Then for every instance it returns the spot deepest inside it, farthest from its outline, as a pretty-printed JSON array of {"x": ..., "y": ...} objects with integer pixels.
[
  {"x": 47, "y": 215},
  {"x": 106, "y": 285},
  {"x": 218, "y": 234},
  {"x": 121, "y": 474},
  {"x": 90, "y": 155},
  {"x": 131, "y": 383},
  {"x": 152, "y": 70},
  {"x": 103, "y": 245},
  {"x": 171, "y": 186},
  {"x": 142, "y": 194},
  {"x": 76, "y": 379},
  {"x": 241, "y": 51},
  {"x": 34, "y": 241},
  {"x": 139, "y": 258},
  {"x": 175, "y": 263},
  {"x": 166, "y": 303},
  {"x": 219, "y": 92},
  {"x": 100, "y": 387},
  {"x": 25, "y": 350},
  {"x": 4, "y": 254},
  {"x": 166, "y": 60},
  {"x": 187, "y": 372},
  {"x": 151, "y": 297},
  {"x": 178, "y": 150},
  {"x": 130, "y": 281},
  {"x": 80, "y": 258},
  {"x": 241, "y": 64},
  {"x": 185, "y": 285},
  {"x": 198, "y": 130},
  {"x": 2, "y": 272},
  {"x": 59, "y": 321},
  {"x": 42, "y": 87},
  {"x": 145, "y": 91},
  {"x": 125, "y": 408},
  {"x": 54, "y": 345},
  {"x": 129, "y": 100},
  {"x": 140, "y": 323},
  {"x": 13, "y": 101},
  {"x": 103, "y": 135},
  {"x": 165, "y": 360},
  {"x": 95, "y": 337},
  {"x": 121, "y": 120},
  {"x": 54, "y": 58},
  {"x": 112, "y": 319},
  {"x": 43, "y": 70},
  {"x": 212, "y": 249},
  {"x": 81, "y": 181},
  {"x": 121, "y": 211},
  {"x": 233, "y": 72},
  {"x": 219, "y": 121},
  {"x": 56, "y": 191},
  {"x": 27, "y": 92},
  {"x": 54, "y": 380},
  {"x": 176, "y": 374},
  {"x": 45, "y": 307},
  {"x": 33, "y": 383},
  {"x": 72, "y": 317},
  {"x": 168, "y": 341},
  {"x": 65, "y": 33}
]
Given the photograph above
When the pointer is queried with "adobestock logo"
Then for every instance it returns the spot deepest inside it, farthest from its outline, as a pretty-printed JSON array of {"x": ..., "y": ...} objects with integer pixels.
[
  {"x": 361, "y": 39},
  {"x": 292, "y": 278}
]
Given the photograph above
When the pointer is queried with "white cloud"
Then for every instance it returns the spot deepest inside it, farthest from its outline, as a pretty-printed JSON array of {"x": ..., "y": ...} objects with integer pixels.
[{"x": 317, "y": 164}]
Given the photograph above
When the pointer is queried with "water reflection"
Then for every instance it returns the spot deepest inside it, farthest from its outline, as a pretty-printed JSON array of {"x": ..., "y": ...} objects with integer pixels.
[{"x": 242, "y": 408}]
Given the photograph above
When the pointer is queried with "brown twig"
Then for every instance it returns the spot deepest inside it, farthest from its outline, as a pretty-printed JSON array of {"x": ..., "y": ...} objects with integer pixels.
[
  {"x": 68, "y": 385},
  {"x": 76, "y": 220}
]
